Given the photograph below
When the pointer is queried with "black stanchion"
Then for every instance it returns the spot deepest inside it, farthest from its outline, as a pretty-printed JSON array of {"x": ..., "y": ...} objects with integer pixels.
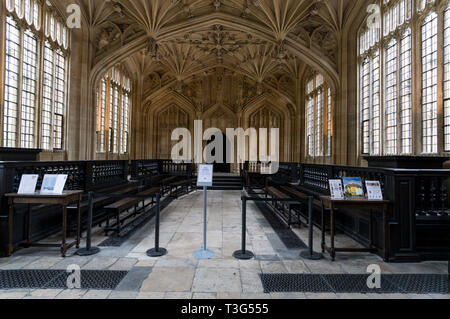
[
  {"x": 157, "y": 251},
  {"x": 310, "y": 254},
  {"x": 244, "y": 254},
  {"x": 449, "y": 268},
  {"x": 89, "y": 250}
]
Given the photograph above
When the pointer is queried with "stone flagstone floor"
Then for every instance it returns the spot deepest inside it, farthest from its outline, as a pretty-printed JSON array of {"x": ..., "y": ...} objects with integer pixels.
[{"x": 178, "y": 275}]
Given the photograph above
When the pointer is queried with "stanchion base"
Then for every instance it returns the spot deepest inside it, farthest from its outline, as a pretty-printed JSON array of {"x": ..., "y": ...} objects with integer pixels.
[
  {"x": 157, "y": 253},
  {"x": 84, "y": 252},
  {"x": 307, "y": 255},
  {"x": 203, "y": 254},
  {"x": 243, "y": 254}
]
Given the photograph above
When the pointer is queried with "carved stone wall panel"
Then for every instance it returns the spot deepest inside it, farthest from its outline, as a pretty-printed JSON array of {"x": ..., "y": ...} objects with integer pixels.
[
  {"x": 167, "y": 120},
  {"x": 267, "y": 118}
]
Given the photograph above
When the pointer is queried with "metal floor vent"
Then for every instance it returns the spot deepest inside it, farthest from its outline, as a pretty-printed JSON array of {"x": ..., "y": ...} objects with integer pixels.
[
  {"x": 346, "y": 283},
  {"x": 286, "y": 235},
  {"x": 57, "y": 279},
  {"x": 117, "y": 240}
]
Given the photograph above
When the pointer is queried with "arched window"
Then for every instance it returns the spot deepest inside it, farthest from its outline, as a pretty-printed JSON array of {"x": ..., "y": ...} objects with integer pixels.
[
  {"x": 113, "y": 112},
  {"x": 32, "y": 119},
  {"x": 318, "y": 117}
]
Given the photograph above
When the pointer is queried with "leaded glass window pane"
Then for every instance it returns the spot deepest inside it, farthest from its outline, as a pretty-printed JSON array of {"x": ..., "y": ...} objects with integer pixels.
[
  {"x": 11, "y": 86},
  {"x": 406, "y": 93},
  {"x": 29, "y": 90},
  {"x": 47, "y": 102},
  {"x": 60, "y": 99},
  {"x": 429, "y": 84},
  {"x": 447, "y": 79},
  {"x": 391, "y": 98}
]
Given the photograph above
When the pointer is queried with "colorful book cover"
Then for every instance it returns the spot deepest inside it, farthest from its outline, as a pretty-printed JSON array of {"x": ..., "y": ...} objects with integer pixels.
[{"x": 353, "y": 187}]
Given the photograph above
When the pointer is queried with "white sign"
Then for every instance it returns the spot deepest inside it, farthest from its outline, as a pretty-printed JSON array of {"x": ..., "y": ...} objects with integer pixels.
[
  {"x": 336, "y": 189},
  {"x": 205, "y": 175},
  {"x": 374, "y": 190},
  {"x": 28, "y": 184},
  {"x": 53, "y": 184}
]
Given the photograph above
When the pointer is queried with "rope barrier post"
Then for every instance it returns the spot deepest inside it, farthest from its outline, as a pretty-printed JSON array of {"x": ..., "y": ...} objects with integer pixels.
[
  {"x": 244, "y": 254},
  {"x": 157, "y": 251},
  {"x": 89, "y": 250},
  {"x": 310, "y": 254}
]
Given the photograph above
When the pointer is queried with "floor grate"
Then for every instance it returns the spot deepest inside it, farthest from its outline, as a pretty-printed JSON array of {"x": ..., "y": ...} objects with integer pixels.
[
  {"x": 57, "y": 279},
  {"x": 348, "y": 283}
]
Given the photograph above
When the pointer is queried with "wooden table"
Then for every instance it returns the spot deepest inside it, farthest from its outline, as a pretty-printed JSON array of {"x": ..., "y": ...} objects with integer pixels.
[
  {"x": 364, "y": 204},
  {"x": 63, "y": 200}
]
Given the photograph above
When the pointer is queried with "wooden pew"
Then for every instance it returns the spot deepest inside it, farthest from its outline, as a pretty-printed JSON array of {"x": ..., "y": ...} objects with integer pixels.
[
  {"x": 298, "y": 194},
  {"x": 181, "y": 188},
  {"x": 123, "y": 205},
  {"x": 165, "y": 184},
  {"x": 100, "y": 202},
  {"x": 284, "y": 209}
]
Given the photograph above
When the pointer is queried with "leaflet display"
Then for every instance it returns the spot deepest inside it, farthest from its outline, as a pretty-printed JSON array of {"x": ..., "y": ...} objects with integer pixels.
[
  {"x": 374, "y": 191},
  {"x": 28, "y": 184},
  {"x": 53, "y": 184},
  {"x": 205, "y": 175}
]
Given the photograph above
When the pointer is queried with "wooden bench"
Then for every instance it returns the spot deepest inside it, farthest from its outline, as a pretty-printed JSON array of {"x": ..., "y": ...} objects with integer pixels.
[
  {"x": 283, "y": 208},
  {"x": 298, "y": 194},
  {"x": 117, "y": 208},
  {"x": 181, "y": 188},
  {"x": 295, "y": 192},
  {"x": 166, "y": 182},
  {"x": 100, "y": 202}
]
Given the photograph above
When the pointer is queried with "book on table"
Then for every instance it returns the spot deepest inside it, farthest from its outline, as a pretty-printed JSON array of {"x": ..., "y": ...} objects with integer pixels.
[{"x": 353, "y": 188}]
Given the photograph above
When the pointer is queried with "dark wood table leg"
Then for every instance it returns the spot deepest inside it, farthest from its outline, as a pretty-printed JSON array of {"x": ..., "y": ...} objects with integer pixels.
[
  {"x": 370, "y": 230},
  {"x": 64, "y": 230},
  {"x": 385, "y": 234},
  {"x": 449, "y": 268},
  {"x": 29, "y": 226},
  {"x": 333, "y": 249},
  {"x": 10, "y": 229},
  {"x": 78, "y": 224},
  {"x": 323, "y": 228}
]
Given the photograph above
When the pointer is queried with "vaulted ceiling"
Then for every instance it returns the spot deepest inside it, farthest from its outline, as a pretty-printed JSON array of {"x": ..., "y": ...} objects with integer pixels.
[{"x": 177, "y": 39}]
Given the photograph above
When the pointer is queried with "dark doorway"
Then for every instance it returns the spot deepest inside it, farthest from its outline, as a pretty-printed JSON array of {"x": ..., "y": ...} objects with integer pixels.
[{"x": 223, "y": 167}]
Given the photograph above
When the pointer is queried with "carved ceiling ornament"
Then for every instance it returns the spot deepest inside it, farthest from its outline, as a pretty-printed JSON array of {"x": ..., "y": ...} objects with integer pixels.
[
  {"x": 176, "y": 55},
  {"x": 281, "y": 17}
]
